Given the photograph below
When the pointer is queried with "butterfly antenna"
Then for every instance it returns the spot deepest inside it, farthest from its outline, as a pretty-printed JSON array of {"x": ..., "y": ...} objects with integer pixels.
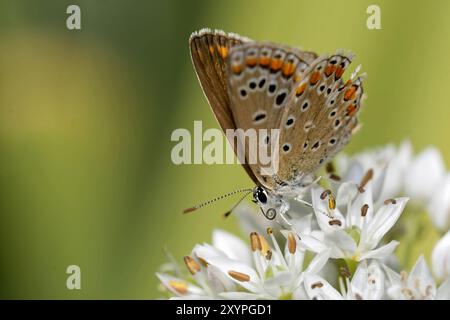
[
  {"x": 191, "y": 209},
  {"x": 226, "y": 214}
]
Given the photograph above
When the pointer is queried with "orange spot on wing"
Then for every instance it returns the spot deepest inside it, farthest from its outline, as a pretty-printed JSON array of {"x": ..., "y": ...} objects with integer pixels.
[
  {"x": 339, "y": 72},
  {"x": 350, "y": 94},
  {"x": 314, "y": 78},
  {"x": 236, "y": 68},
  {"x": 330, "y": 69},
  {"x": 351, "y": 109},
  {"x": 251, "y": 61},
  {"x": 264, "y": 62},
  {"x": 300, "y": 89},
  {"x": 223, "y": 51},
  {"x": 288, "y": 69},
  {"x": 297, "y": 78},
  {"x": 276, "y": 65},
  {"x": 211, "y": 49}
]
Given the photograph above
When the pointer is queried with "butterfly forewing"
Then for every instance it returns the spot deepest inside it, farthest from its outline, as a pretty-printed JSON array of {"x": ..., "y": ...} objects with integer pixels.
[
  {"x": 209, "y": 52},
  {"x": 320, "y": 117}
]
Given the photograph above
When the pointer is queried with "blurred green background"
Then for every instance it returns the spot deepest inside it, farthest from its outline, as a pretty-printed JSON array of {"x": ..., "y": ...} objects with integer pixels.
[{"x": 86, "y": 118}]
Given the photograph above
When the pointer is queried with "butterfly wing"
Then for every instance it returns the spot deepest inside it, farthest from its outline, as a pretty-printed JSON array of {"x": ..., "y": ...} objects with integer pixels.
[
  {"x": 261, "y": 77},
  {"x": 319, "y": 118},
  {"x": 209, "y": 51}
]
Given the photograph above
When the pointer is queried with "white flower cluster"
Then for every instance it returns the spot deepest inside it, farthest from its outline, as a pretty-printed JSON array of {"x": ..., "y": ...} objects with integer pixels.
[{"x": 337, "y": 249}]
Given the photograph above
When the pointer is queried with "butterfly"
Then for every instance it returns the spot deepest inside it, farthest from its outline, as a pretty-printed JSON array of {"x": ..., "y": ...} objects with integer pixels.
[{"x": 263, "y": 85}]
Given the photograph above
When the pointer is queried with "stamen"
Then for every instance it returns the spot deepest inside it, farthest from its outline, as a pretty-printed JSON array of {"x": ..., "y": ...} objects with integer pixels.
[
  {"x": 345, "y": 272},
  {"x": 317, "y": 285},
  {"x": 269, "y": 255},
  {"x": 292, "y": 244},
  {"x": 255, "y": 242},
  {"x": 361, "y": 189},
  {"x": 389, "y": 201},
  {"x": 324, "y": 194},
  {"x": 335, "y": 222},
  {"x": 269, "y": 231},
  {"x": 334, "y": 177},
  {"x": 239, "y": 276},
  {"x": 203, "y": 262},
  {"x": 192, "y": 265},
  {"x": 264, "y": 245},
  {"x": 331, "y": 202},
  {"x": 178, "y": 286},
  {"x": 403, "y": 276},
  {"x": 367, "y": 177},
  {"x": 364, "y": 210}
]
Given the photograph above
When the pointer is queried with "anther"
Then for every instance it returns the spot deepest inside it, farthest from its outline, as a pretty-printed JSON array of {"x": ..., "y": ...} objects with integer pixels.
[
  {"x": 364, "y": 209},
  {"x": 389, "y": 201},
  {"x": 331, "y": 202},
  {"x": 239, "y": 276},
  {"x": 203, "y": 262},
  {"x": 335, "y": 222},
  {"x": 335, "y": 177},
  {"x": 316, "y": 285},
  {"x": 324, "y": 194},
  {"x": 255, "y": 242},
  {"x": 178, "y": 286},
  {"x": 345, "y": 272},
  {"x": 192, "y": 265},
  {"x": 292, "y": 244},
  {"x": 269, "y": 231},
  {"x": 269, "y": 254}
]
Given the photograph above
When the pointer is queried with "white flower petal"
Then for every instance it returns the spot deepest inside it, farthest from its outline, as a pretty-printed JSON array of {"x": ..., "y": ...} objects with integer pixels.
[
  {"x": 302, "y": 225},
  {"x": 318, "y": 288},
  {"x": 323, "y": 212},
  {"x": 313, "y": 244},
  {"x": 318, "y": 262},
  {"x": 443, "y": 292},
  {"x": 232, "y": 246},
  {"x": 424, "y": 174},
  {"x": 440, "y": 257},
  {"x": 368, "y": 282},
  {"x": 421, "y": 273},
  {"x": 381, "y": 252},
  {"x": 170, "y": 283},
  {"x": 439, "y": 206},
  {"x": 206, "y": 251},
  {"x": 228, "y": 267},
  {"x": 341, "y": 240},
  {"x": 383, "y": 221}
]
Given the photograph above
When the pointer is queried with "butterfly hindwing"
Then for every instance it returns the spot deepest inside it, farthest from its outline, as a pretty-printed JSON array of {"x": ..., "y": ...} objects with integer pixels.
[
  {"x": 261, "y": 77},
  {"x": 319, "y": 118}
]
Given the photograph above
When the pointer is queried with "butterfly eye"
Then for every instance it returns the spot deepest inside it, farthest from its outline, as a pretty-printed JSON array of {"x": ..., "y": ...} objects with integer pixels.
[{"x": 260, "y": 195}]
